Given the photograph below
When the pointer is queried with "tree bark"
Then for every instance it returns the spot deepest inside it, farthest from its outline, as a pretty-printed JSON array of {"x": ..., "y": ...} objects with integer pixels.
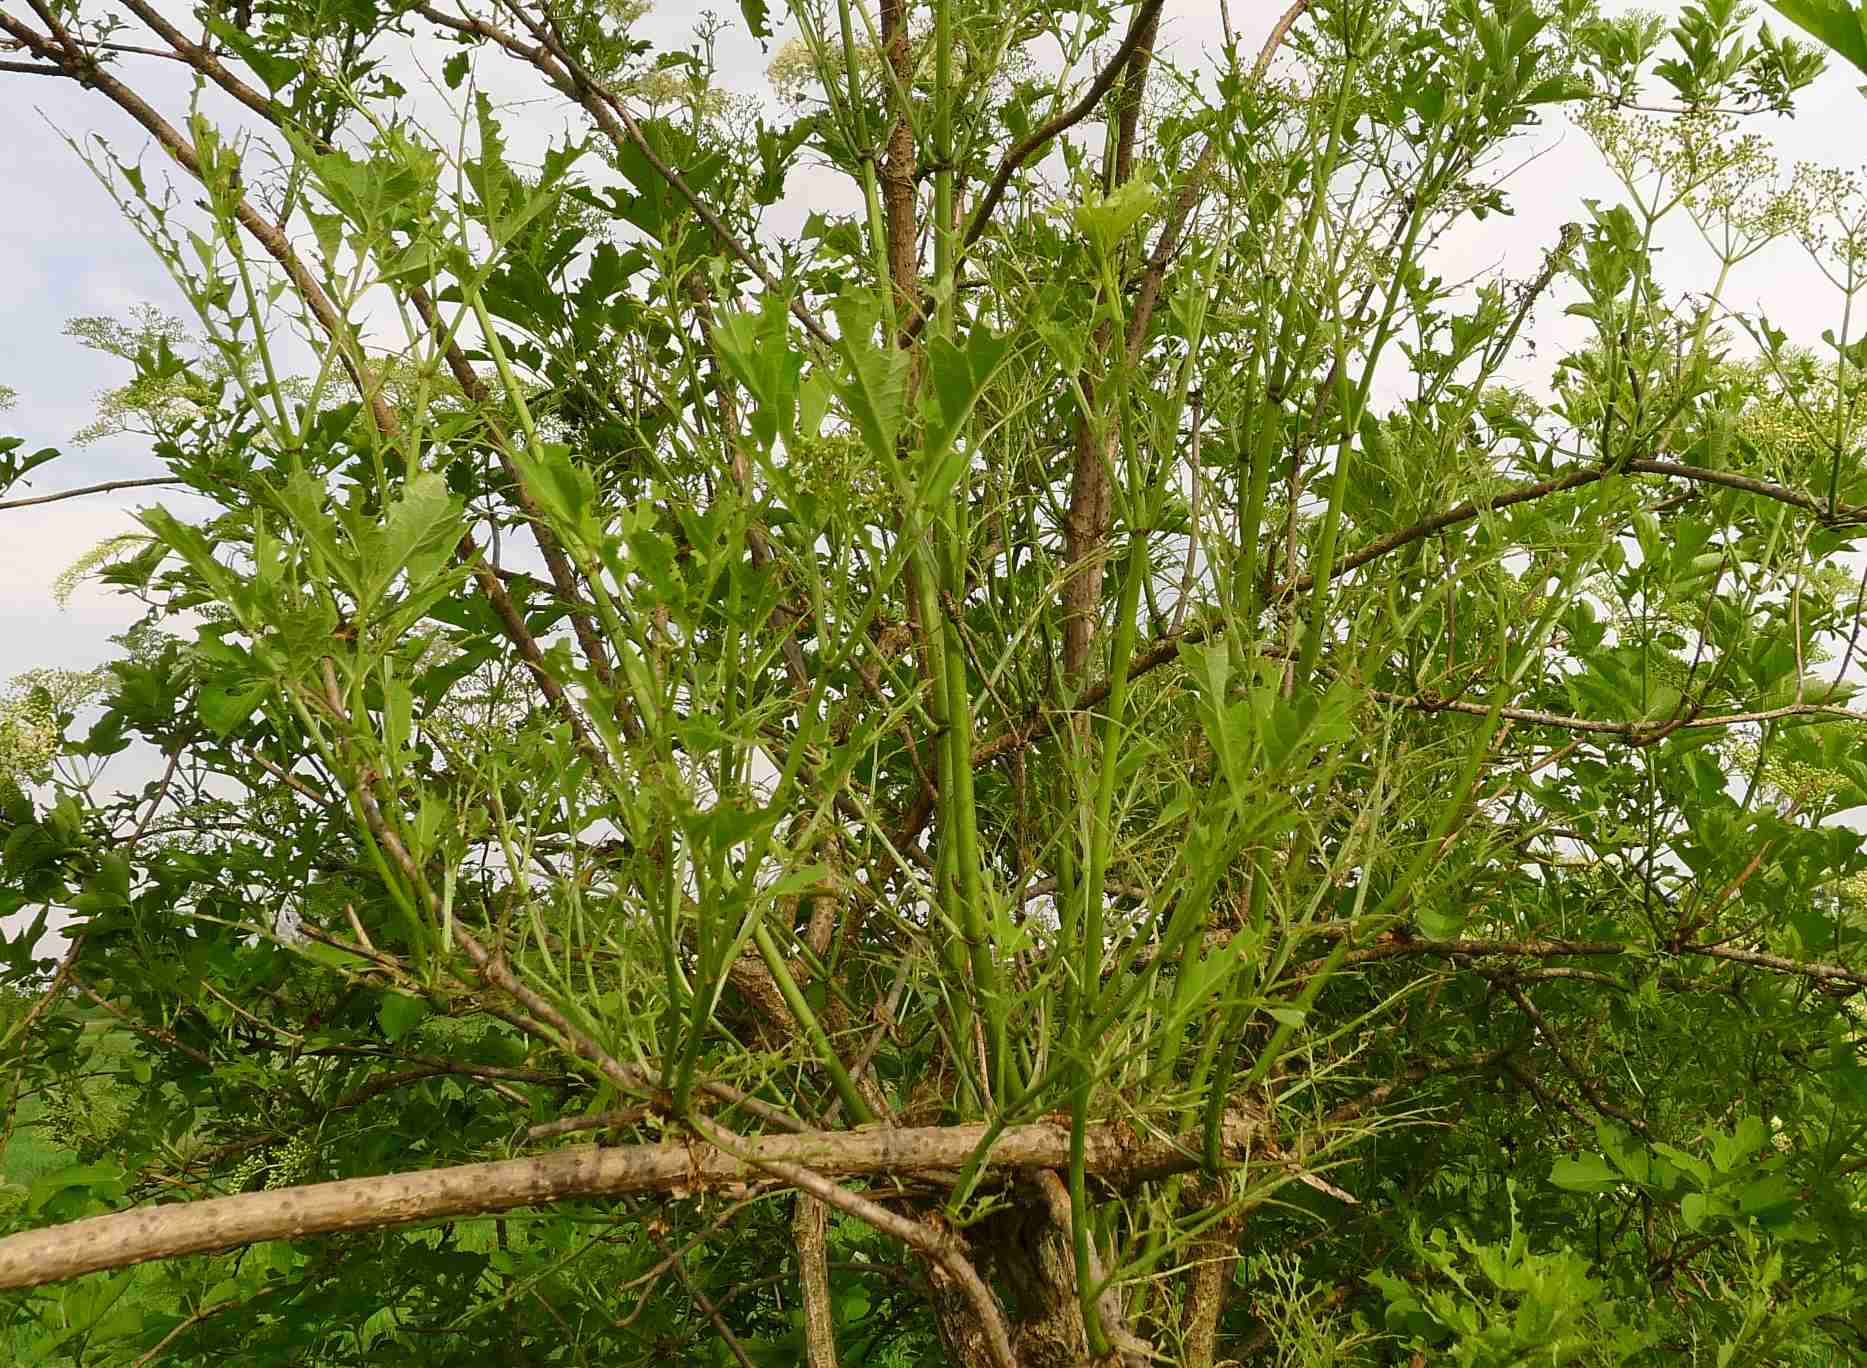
[
  {"x": 810, "y": 1223},
  {"x": 897, "y": 177},
  {"x": 1213, "y": 1255},
  {"x": 1086, "y": 525},
  {"x": 678, "y": 1168}
]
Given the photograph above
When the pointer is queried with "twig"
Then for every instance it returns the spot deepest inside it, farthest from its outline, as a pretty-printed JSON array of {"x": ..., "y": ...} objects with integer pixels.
[
  {"x": 1846, "y": 515},
  {"x": 20, "y": 1028},
  {"x": 1129, "y": 1347},
  {"x": 1374, "y": 1097},
  {"x": 609, "y": 1120},
  {"x": 156, "y": 1033},
  {"x": 120, "y": 1239},
  {"x": 939, "y": 1247},
  {"x": 199, "y": 1315},
  {"x": 725, "y": 1217},
  {"x": 292, "y": 781},
  {"x": 1040, "y": 137},
  {"x": 1547, "y": 1097},
  {"x": 1854, "y": 636},
  {"x": 564, "y": 70},
  {"x": 701, "y": 1300},
  {"x": 1536, "y": 949},
  {"x": 1192, "y": 539},
  {"x": 63, "y": 49},
  {"x": 1639, "y": 733},
  {"x": 1188, "y": 199},
  {"x": 108, "y": 487},
  {"x": 1588, "y": 1086},
  {"x": 162, "y": 791}
]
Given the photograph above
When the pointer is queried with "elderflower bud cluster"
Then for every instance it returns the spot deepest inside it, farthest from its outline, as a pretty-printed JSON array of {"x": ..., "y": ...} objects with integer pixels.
[
  {"x": 30, "y": 707},
  {"x": 1797, "y": 781},
  {"x": 106, "y": 553},
  {"x": 251, "y": 1165},
  {"x": 665, "y": 90},
  {"x": 292, "y": 1162},
  {"x": 1853, "y": 892},
  {"x": 1779, "y": 430},
  {"x": 82, "y": 1120},
  {"x": 792, "y": 72},
  {"x": 1722, "y": 177},
  {"x": 161, "y": 403},
  {"x": 835, "y": 468},
  {"x": 1836, "y": 231}
]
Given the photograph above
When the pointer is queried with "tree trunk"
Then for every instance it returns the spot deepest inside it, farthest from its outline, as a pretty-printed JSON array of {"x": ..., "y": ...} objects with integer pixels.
[{"x": 1212, "y": 1255}]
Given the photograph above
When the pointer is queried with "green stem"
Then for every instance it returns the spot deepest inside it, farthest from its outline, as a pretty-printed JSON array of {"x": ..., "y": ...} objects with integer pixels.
[
  {"x": 1101, "y": 838},
  {"x": 606, "y": 606},
  {"x": 871, "y": 186},
  {"x": 1350, "y": 410},
  {"x": 1086, "y": 1287},
  {"x": 812, "y": 1028}
]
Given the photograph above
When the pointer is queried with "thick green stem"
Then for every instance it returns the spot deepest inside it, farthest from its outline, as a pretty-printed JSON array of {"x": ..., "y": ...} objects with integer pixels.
[
  {"x": 1349, "y": 409},
  {"x": 1101, "y": 839},
  {"x": 813, "y": 1029}
]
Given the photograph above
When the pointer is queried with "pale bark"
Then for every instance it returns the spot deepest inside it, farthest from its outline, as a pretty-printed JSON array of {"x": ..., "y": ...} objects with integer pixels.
[
  {"x": 677, "y": 1168},
  {"x": 809, "y": 1223},
  {"x": 1130, "y": 1350},
  {"x": 1213, "y": 1255},
  {"x": 897, "y": 180}
]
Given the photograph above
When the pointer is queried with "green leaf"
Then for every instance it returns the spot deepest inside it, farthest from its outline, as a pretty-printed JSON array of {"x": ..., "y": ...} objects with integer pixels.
[
  {"x": 1106, "y": 219},
  {"x": 302, "y": 501},
  {"x": 193, "y": 547},
  {"x": 105, "y": 1176},
  {"x": 1558, "y": 90},
  {"x": 1840, "y": 25},
  {"x": 800, "y": 881},
  {"x": 757, "y": 16},
  {"x": 1627, "y": 1154},
  {"x": 960, "y": 372},
  {"x": 223, "y": 708},
  {"x": 562, "y": 487},
  {"x": 418, "y": 534},
  {"x": 1587, "y": 1173},
  {"x": 399, "y": 1014},
  {"x": 274, "y": 71},
  {"x": 1441, "y": 922},
  {"x": 113, "y": 876},
  {"x": 1737, "y": 1148},
  {"x": 758, "y": 350},
  {"x": 874, "y": 385}
]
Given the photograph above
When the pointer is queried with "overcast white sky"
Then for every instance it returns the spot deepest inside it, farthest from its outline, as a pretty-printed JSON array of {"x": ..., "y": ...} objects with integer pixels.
[{"x": 65, "y": 252}]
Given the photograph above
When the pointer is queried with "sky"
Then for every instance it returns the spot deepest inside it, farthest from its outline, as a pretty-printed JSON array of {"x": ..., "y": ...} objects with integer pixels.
[{"x": 66, "y": 251}]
